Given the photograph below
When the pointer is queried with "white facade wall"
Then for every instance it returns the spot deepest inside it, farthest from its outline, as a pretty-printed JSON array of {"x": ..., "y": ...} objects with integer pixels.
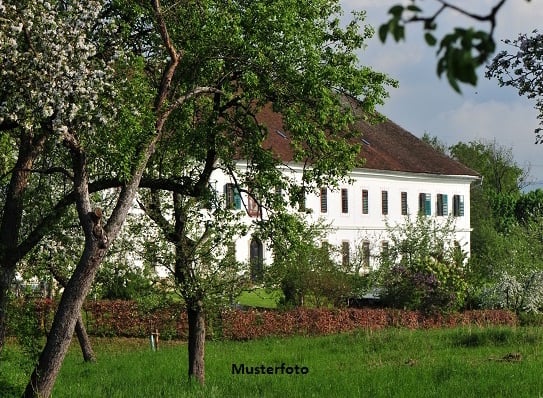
[{"x": 354, "y": 226}]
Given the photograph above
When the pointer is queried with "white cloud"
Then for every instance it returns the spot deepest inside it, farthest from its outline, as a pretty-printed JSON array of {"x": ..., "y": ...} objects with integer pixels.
[{"x": 508, "y": 123}]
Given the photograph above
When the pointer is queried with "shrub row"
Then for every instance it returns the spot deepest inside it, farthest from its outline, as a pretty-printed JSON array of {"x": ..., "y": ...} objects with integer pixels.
[
  {"x": 122, "y": 318},
  {"x": 246, "y": 325},
  {"x": 126, "y": 319}
]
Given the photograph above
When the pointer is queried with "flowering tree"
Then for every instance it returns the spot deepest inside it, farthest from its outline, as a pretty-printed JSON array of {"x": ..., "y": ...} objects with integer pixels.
[
  {"x": 520, "y": 292},
  {"x": 51, "y": 77}
]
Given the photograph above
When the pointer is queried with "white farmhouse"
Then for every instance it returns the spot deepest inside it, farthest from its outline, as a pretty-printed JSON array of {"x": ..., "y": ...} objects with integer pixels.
[{"x": 402, "y": 176}]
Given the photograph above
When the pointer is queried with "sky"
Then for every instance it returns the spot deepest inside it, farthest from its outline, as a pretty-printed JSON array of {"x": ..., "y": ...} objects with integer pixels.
[{"x": 424, "y": 103}]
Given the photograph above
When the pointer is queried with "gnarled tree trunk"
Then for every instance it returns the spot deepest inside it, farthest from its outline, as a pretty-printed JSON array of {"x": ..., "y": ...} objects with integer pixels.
[
  {"x": 196, "y": 341},
  {"x": 46, "y": 371}
]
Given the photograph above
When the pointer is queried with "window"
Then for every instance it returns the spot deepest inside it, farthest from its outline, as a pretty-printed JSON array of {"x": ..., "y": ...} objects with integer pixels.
[
  {"x": 384, "y": 202},
  {"x": 256, "y": 259},
  {"x": 253, "y": 209},
  {"x": 404, "y": 203},
  {"x": 324, "y": 200},
  {"x": 232, "y": 196},
  {"x": 366, "y": 253},
  {"x": 425, "y": 204},
  {"x": 365, "y": 201},
  {"x": 385, "y": 250},
  {"x": 345, "y": 253},
  {"x": 344, "y": 200},
  {"x": 458, "y": 205},
  {"x": 442, "y": 205}
]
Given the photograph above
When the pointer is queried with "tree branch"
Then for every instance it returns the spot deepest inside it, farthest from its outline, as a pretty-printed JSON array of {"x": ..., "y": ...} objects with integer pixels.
[
  {"x": 153, "y": 209},
  {"x": 52, "y": 170},
  {"x": 168, "y": 73}
]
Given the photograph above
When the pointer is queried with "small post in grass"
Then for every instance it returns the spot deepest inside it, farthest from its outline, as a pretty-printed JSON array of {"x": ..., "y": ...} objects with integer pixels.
[{"x": 154, "y": 340}]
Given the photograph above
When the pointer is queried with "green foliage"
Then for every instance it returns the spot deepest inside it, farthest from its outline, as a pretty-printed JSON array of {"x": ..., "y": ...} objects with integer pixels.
[
  {"x": 494, "y": 162},
  {"x": 422, "y": 269},
  {"x": 508, "y": 274},
  {"x": 303, "y": 267},
  {"x": 122, "y": 281},
  {"x": 462, "y": 52},
  {"x": 23, "y": 322},
  {"x": 435, "y": 142},
  {"x": 8, "y": 152},
  {"x": 506, "y": 250},
  {"x": 131, "y": 127},
  {"x": 529, "y": 207}
]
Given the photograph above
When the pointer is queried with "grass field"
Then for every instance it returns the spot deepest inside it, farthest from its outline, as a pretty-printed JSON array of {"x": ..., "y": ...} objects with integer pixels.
[
  {"x": 261, "y": 298},
  {"x": 493, "y": 362}
]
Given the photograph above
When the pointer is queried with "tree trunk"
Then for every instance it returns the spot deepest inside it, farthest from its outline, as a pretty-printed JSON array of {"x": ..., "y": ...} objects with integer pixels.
[
  {"x": 6, "y": 277},
  {"x": 80, "y": 330},
  {"x": 196, "y": 343},
  {"x": 12, "y": 215},
  {"x": 69, "y": 311},
  {"x": 84, "y": 341}
]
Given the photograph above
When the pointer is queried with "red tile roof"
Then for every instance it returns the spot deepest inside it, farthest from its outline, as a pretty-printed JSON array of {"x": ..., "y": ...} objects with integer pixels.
[{"x": 385, "y": 146}]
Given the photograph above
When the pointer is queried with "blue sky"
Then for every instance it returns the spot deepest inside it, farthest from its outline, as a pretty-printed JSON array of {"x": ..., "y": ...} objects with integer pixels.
[{"x": 425, "y": 103}]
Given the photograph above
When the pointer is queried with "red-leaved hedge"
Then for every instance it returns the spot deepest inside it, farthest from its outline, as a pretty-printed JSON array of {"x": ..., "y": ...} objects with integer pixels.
[
  {"x": 246, "y": 325},
  {"x": 126, "y": 319}
]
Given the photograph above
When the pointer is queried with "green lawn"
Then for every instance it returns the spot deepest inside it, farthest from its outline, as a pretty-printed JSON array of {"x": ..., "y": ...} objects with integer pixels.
[
  {"x": 261, "y": 298},
  {"x": 494, "y": 362}
]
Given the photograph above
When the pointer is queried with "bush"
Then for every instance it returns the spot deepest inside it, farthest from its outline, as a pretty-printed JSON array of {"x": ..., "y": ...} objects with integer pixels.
[
  {"x": 421, "y": 270},
  {"x": 304, "y": 269},
  {"x": 530, "y": 319}
]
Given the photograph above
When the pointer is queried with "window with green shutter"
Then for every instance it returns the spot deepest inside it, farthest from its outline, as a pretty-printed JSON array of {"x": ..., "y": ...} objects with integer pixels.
[
  {"x": 442, "y": 205},
  {"x": 425, "y": 204},
  {"x": 232, "y": 196},
  {"x": 458, "y": 205}
]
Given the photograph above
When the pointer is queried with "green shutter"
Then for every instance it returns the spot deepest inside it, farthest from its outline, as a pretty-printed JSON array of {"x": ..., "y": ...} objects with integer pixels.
[
  {"x": 428, "y": 204},
  {"x": 425, "y": 204},
  {"x": 237, "y": 199},
  {"x": 458, "y": 203},
  {"x": 445, "y": 205}
]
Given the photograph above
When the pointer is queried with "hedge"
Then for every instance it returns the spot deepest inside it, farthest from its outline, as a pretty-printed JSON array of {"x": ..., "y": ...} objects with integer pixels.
[{"x": 126, "y": 319}]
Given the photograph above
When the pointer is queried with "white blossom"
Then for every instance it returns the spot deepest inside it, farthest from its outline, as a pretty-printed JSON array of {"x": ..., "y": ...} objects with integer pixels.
[{"x": 49, "y": 64}]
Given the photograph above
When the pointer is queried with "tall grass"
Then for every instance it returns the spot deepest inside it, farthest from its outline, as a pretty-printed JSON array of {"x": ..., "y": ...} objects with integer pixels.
[{"x": 467, "y": 362}]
